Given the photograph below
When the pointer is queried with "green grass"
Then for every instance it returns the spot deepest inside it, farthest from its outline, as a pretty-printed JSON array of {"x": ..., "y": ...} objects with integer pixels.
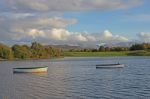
[
  {"x": 105, "y": 54},
  {"x": 94, "y": 54}
]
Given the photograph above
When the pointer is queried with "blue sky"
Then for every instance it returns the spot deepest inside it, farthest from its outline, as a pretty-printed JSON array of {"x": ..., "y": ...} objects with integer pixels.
[
  {"x": 122, "y": 22},
  {"x": 74, "y": 22}
]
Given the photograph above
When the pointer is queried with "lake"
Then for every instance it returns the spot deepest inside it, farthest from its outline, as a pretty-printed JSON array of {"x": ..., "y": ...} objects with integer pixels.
[{"x": 77, "y": 78}]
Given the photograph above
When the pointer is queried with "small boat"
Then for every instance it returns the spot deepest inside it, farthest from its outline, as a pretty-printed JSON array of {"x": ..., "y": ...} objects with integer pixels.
[
  {"x": 31, "y": 70},
  {"x": 110, "y": 65}
]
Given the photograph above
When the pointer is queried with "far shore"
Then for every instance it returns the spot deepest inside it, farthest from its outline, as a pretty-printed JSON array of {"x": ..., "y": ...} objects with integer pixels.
[
  {"x": 30, "y": 59},
  {"x": 107, "y": 54},
  {"x": 91, "y": 54}
]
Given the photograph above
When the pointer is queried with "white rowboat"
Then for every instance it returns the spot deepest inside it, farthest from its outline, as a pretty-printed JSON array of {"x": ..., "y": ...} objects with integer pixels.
[
  {"x": 31, "y": 70},
  {"x": 110, "y": 66}
]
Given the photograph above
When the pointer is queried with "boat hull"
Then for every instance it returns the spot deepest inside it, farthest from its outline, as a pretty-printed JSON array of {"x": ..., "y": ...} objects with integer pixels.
[
  {"x": 31, "y": 70},
  {"x": 110, "y": 66}
]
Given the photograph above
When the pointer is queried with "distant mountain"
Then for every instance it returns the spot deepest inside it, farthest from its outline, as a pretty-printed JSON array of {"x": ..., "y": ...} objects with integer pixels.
[
  {"x": 67, "y": 47},
  {"x": 120, "y": 44},
  {"x": 81, "y": 47}
]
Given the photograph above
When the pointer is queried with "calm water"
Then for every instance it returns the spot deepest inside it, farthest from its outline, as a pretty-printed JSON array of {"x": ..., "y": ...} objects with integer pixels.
[{"x": 77, "y": 78}]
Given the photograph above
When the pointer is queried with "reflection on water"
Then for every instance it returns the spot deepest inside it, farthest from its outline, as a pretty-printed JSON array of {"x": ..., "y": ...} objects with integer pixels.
[{"x": 77, "y": 78}]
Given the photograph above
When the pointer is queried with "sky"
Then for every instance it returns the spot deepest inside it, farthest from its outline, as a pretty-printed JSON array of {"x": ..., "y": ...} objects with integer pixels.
[{"x": 74, "y": 22}]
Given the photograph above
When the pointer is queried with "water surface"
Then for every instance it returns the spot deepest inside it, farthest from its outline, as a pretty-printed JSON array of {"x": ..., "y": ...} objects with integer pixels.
[{"x": 77, "y": 78}]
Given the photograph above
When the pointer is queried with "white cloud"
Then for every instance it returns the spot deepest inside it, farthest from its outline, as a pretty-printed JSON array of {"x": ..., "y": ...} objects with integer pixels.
[
  {"x": 107, "y": 36},
  {"x": 66, "y": 5},
  {"x": 91, "y": 39},
  {"x": 56, "y": 22},
  {"x": 52, "y": 30},
  {"x": 36, "y": 33},
  {"x": 144, "y": 37},
  {"x": 27, "y": 19},
  {"x": 78, "y": 37},
  {"x": 58, "y": 34},
  {"x": 17, "y": 28},
  {"x": 63, "y": 36}
]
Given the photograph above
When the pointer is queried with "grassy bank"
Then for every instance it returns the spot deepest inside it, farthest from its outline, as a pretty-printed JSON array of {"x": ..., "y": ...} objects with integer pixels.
[
  {"x": 94, "y": 54},
  {"x": 106, "y": 54}
]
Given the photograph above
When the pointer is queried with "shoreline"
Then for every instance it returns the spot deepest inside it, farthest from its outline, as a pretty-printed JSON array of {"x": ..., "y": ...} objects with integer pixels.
[
  {"x": 90, "y": 54},
  {"x": 68, "y": 56},
  {"x": 107, "y": 54},
  {"x": 30, "y": 59}
]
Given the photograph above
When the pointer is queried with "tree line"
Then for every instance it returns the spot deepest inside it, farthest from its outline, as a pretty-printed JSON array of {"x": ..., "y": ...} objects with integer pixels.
[
  {"x": 134, "y": 47},
  {"x": 39, "y": 51},
  {"x": 35, "y": 51}
]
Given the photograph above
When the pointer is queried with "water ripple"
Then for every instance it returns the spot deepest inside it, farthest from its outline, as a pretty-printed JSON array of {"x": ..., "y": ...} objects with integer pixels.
[{"x": 77, "y": 78}]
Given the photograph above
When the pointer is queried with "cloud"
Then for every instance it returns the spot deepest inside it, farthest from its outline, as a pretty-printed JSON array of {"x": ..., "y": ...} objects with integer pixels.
[
  {"x": 54, "y": 22},
  {"x": 25, "y": 20},
  {"x": 107, "y": 36},
  {"x": 50, "y": 30},
  {"x": 44, "y": 22},
  {"x": 65, "y": 5},
  {"x": 58, "y": 34},
  {"x": 144, "y": 37},
  {"x": 63, "y": 36},
  {"x": 17, "y": 28},
  {"x": 36, "y": 33}
]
